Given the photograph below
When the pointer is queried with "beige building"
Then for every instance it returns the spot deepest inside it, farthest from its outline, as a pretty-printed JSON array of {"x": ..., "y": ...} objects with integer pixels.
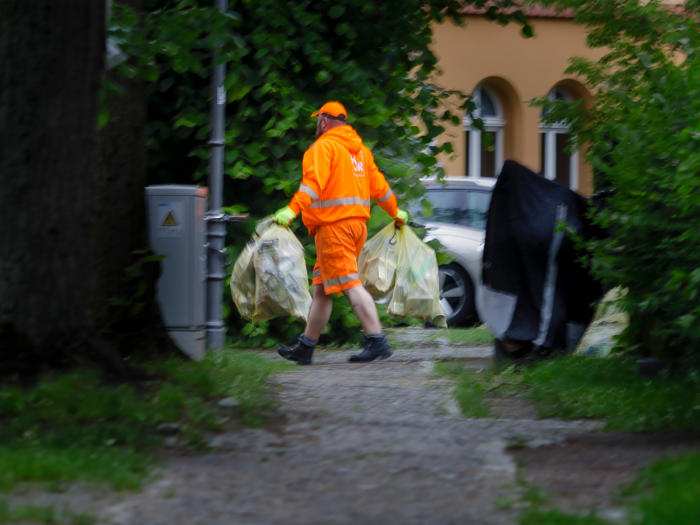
[{"x": 503, "y": 70}]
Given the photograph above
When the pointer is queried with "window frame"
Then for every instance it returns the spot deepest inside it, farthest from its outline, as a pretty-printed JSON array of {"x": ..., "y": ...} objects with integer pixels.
[
  {"x": 548, "y": 134},
  {"x": 491, "y": 125}
]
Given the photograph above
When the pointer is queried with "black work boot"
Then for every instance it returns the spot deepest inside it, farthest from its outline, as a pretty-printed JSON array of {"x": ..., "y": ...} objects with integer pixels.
[
  {"x": 375, "y": 347},
  {"x": 301, "y": 352}
]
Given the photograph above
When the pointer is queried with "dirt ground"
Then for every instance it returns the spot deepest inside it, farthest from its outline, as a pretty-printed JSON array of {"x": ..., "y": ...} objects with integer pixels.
[
  {"x": 585, "y": 471},
  {"x": 381, "y": 443}
]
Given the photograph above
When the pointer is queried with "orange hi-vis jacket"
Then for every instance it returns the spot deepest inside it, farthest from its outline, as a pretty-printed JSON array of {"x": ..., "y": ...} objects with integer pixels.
[{"x": 340, "y": 177}]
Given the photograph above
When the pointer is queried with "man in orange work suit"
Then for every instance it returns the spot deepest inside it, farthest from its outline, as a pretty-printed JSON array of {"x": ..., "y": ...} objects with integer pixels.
[{"x": 340, "y": 177}]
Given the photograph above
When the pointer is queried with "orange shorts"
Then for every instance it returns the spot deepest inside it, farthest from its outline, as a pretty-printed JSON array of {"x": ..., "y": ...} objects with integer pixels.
[{"x": 338, "y": 246}]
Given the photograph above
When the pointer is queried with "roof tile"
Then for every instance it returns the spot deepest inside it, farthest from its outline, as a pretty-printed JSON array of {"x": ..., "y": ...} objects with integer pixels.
[{"x": 533, "y": 11}]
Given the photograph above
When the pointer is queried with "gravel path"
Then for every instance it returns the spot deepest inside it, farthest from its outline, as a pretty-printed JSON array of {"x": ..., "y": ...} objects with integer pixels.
[{"x": 380, "y": 443}]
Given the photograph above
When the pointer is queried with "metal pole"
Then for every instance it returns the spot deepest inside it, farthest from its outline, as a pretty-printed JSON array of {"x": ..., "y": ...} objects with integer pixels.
[{"x": 216, "y": 335}]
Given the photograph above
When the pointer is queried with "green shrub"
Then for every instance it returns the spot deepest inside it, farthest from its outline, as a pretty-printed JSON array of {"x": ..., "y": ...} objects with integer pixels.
[{"x": 643, "y": 132}]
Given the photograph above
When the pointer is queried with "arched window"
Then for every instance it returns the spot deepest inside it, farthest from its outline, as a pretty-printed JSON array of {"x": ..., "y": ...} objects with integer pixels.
[
  {"x": 557, "y": 164},
  {"x": 482, "y": 160}
]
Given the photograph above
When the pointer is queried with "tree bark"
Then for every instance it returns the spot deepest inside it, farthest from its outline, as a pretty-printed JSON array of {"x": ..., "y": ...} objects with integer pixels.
[
  {"x": 51, "y": 66},
  {"x": 122, "y": 294}
]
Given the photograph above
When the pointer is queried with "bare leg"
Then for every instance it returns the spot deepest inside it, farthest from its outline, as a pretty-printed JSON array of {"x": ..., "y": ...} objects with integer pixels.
[
  {"x": 364, "y": 308},
  {"x": 321, "y": 308}
]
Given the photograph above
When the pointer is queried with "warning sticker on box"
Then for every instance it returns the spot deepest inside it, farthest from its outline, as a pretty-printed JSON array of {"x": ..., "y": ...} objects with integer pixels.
[{"x": 170, "y": 219}]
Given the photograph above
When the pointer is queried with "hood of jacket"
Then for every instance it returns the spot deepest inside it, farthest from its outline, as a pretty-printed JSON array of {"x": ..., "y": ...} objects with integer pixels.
[{"x": 346, "y": 136}]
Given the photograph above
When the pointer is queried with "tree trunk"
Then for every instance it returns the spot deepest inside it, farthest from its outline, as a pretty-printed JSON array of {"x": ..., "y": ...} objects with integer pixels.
[
  {"x": 123, "y": 302},
  {"x": 51, "y": 68},
  {"x": 51, "y": 65}
]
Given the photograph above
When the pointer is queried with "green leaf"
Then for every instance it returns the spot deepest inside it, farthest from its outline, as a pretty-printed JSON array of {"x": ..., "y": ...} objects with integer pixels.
[
  {"x": 323, "y": 76},
  {"x": 185, "y": 122},
  {"x": 527, "y": 31},
  {"x": 337, "y": 11},
  {"x": 102, "y": 117},
  {"x": 237, "y": 92},
  {"x": 150, "y": 73},
  {"x": 136, "y": 308}
]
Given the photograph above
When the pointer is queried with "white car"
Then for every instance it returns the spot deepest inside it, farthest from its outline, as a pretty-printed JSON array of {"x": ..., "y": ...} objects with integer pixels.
[{"x": 458, "y": 221}]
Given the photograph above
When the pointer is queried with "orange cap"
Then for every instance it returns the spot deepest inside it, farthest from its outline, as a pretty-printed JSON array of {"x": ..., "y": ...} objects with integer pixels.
[{"x": 333, "y": 109}]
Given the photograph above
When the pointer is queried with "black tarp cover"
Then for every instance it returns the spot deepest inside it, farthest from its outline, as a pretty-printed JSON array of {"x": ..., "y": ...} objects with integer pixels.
[{"x": 533, "y": 287}]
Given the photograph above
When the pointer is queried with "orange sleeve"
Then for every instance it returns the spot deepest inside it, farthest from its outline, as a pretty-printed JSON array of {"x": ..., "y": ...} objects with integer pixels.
[
  {"x": 316, "y": 168},
  {"x": 380, "y": 191}
]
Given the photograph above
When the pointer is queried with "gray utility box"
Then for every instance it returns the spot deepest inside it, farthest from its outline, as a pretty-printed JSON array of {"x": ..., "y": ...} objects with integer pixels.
[{"x": 176, "y": 229}]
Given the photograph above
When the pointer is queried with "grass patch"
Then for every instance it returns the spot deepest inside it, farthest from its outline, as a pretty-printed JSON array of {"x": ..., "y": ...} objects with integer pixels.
[
  {"x": 667, "y": 492},
  {"x": 580, "y": 387},
  {"x": 555, "y": 517},
  {"x": 79, "y": 426},
  {"x": 610, "y": 389},
  {"x": 469, "y": 390},
  {"x": 30, "y": 513},
  {"x": 476, "y": 335},
  {"x": 44, "y": 515}
]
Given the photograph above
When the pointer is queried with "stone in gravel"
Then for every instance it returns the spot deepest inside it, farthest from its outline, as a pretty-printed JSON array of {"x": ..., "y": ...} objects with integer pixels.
[
  {"x": 229, "y": 402},
  {"x": 168, "y": 429},
  {"x": 613, "y": 514},
  {"x": 170, "y": 442}
]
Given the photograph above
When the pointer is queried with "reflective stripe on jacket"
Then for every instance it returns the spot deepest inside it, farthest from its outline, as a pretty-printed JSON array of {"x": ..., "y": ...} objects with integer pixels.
[{"x": 340, "y": 177}]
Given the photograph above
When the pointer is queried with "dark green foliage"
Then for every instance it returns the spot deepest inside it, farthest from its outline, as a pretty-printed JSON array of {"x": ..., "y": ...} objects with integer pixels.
[
  {"x": 644, "y": 141},
  {"x": 285, "y": 59}
]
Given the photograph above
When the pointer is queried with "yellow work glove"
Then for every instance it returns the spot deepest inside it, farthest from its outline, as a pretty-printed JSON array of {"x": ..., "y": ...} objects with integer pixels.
[
  {"x": 284, "y": 216},
  {"x": 401, "y": 218}
]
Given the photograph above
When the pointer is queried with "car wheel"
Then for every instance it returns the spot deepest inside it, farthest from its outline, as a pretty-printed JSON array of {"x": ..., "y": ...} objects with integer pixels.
[{"x": 456, "y": 295}]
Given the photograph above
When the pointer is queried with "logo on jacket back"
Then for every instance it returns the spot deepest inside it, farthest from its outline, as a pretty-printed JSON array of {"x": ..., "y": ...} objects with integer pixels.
[{"x": 358, "y": 166}]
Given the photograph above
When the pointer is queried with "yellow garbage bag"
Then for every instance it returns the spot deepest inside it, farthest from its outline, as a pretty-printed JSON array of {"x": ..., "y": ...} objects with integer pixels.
[
  {"x": 243, "y": 281},
  {"x": 274, "y": 261},
  {"x": 377, "y": 263},
  {"x": 609, "y": 321},
  {"x": 417, "y": 284}
]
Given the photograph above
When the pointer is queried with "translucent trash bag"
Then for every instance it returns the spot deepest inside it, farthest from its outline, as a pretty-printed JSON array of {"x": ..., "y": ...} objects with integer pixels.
[
  {"x": 377, "y": 263},
  {"x": 243, "y": 280},
  {"x": 417, "y": 284},
  {"x": 610, "y": 321},
  {"x": 274, "y": 261}
]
